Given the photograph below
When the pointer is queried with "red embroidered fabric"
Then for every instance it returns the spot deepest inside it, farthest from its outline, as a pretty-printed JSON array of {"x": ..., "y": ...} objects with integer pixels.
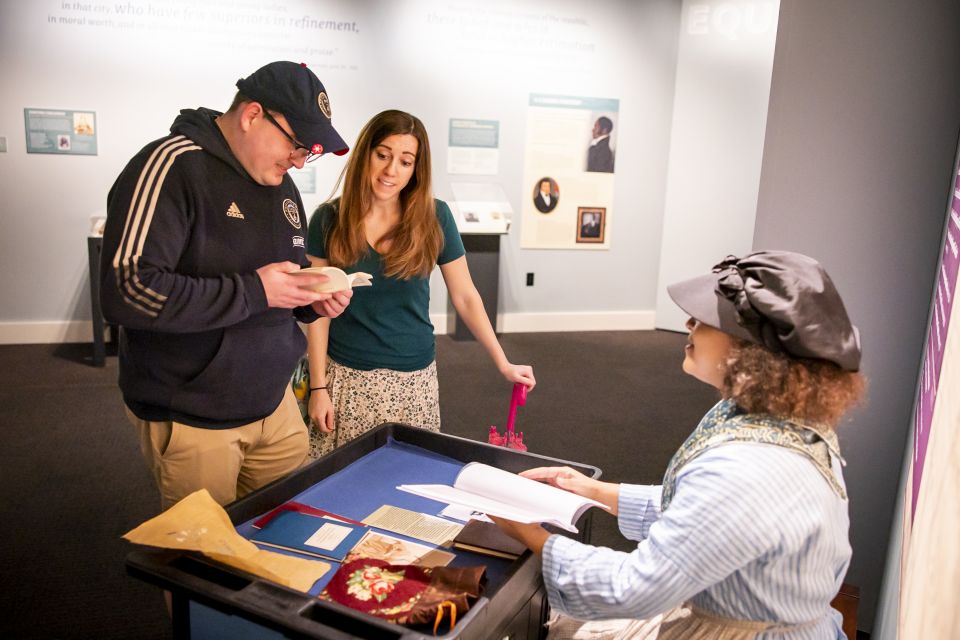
[{"x": 403, "y": 593}]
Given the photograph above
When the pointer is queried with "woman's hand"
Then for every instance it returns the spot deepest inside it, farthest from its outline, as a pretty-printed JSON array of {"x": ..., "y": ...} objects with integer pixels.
[
  {"x": 334, "y": 305},
  {"x": 565, "y": 478},
  {"x": 321, "y": 410},
  {"x": 522, "y": 373},
  {"x": 571, "y": 480},
  {"x": 532, "y": 535}
]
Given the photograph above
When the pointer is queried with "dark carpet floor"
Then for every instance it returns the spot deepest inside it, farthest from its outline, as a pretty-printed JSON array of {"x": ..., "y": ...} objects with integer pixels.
[{"x": 74, "y": 481}]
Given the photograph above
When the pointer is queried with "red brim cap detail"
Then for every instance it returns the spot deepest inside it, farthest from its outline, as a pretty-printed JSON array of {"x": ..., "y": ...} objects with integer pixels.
[
  {"x": 342, "y": 152},
  {"x": 316, "y": 149}
]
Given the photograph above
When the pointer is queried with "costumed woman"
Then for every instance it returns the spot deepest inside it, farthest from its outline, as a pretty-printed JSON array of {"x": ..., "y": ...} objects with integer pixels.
[{"x": 747, "y": 535}]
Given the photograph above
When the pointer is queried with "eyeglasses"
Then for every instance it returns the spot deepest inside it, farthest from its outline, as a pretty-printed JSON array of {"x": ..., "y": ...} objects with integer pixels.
[{"x": 297, "y": 145}]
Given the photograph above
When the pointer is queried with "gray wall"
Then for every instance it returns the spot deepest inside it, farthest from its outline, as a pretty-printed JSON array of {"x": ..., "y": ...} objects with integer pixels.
[
  {"x": 724, "y": 62},
  {"x": 468, "y": 59},
  {"x": 861, "y": 134}
]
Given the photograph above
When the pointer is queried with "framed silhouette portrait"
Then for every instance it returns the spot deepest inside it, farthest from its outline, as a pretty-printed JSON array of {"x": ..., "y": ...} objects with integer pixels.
[{"x": 601, "y": 151}]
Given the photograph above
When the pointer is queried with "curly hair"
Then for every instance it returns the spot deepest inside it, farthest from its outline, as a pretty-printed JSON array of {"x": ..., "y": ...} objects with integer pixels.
[{"x": 777, "y": 384}]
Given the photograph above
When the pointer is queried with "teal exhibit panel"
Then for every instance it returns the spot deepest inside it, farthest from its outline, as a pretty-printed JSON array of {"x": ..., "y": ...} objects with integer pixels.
[{"x": 61, "y": 131}]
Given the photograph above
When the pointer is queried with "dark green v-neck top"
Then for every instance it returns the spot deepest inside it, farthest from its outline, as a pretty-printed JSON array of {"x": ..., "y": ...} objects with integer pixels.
[{"x": 386, "y": 326}]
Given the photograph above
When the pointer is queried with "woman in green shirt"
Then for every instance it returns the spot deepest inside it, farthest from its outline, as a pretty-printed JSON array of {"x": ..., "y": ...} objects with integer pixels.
[{"x": 376, "y": 363}]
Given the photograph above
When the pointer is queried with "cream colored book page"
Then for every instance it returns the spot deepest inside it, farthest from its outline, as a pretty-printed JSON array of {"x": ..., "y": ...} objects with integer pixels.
[
  {"x": 501, "y": 493},
  {"x": 337, "y": 279},
  {"x": 549, "y": 503}
]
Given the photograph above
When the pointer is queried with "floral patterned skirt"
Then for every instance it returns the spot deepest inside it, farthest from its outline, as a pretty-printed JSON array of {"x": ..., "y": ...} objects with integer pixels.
[{"x": 363, "y": 400}]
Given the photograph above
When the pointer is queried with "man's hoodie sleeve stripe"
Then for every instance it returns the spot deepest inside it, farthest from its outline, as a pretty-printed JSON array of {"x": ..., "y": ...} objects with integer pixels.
[{"x": 143, "y": 203}]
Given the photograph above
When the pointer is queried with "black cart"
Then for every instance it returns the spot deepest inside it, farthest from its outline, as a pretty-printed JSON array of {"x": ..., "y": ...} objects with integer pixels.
[{"x": 211, "y": 600}]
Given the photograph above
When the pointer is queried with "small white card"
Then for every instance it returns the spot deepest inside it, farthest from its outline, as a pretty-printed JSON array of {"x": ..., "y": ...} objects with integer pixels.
[{"x": 328, "y": 537}]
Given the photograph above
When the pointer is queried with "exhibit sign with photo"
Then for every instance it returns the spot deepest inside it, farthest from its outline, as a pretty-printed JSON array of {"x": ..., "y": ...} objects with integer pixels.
[
  {"x": 61, "y": 131},
  {"x": 473, "y": 147},
  {"x": 571, "y": 149}
]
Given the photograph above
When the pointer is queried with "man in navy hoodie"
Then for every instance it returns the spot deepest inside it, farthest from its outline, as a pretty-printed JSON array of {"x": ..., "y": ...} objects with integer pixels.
[{"x": 204, "y": 228}]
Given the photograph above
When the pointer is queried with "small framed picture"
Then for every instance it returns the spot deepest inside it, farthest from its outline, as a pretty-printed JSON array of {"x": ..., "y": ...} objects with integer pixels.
[
  {"x": 591, "y": 224},
  {"x": 546, "y": 194}
]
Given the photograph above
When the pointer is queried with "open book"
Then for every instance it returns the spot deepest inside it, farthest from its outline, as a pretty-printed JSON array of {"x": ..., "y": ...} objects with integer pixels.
[
  {"x": 501, "y": 493},
  {"x": 337, "y": 279}
]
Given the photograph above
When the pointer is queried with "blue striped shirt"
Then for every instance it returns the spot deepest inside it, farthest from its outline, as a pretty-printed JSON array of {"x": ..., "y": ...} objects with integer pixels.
[{"x": 753, "y": 532}]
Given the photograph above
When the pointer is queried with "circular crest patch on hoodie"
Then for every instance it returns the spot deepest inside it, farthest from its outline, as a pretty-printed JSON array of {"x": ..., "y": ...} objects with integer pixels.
[{"x": 291, "y": 212}]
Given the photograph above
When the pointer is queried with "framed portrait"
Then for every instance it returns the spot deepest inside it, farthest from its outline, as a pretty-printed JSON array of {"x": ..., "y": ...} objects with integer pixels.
[
  {"x": 591, "y": 224},
  {"x": 546, "y": 194}
]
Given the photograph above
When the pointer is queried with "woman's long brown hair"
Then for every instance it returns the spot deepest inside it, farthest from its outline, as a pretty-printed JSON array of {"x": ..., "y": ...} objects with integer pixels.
[{"x": 415, "y": 242}]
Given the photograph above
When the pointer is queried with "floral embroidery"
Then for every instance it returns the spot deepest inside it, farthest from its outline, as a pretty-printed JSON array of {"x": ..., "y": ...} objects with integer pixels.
[
  {"x": 402, "y": 608},
  {"x": 373, "y": 582}
]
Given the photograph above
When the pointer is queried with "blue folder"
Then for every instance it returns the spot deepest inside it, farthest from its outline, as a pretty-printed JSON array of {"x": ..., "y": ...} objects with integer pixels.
[{"x": 292, "y": 531}]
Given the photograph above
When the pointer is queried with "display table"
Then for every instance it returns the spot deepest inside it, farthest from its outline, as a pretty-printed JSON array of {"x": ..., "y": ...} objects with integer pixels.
[{"x": 210, "y": 600}]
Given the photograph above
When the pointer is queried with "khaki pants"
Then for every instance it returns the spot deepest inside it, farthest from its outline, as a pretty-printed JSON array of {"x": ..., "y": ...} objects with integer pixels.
[{"x": 229, "y": 463}]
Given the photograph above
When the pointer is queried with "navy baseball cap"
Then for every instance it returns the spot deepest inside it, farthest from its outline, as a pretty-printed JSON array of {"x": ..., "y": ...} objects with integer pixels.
[{"x": 296, "y": 92}]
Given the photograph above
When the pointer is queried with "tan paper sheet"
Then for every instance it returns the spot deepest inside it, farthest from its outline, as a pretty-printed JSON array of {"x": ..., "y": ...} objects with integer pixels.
[
  {"x": 416, "y": 525},
  {"x": 198, "y": 523}
]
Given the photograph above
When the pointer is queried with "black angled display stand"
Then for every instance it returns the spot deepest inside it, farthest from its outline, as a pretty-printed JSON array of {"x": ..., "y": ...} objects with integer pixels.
[
  {"x": 483, "y": 259},
  {"x": 94, "y": 248}
]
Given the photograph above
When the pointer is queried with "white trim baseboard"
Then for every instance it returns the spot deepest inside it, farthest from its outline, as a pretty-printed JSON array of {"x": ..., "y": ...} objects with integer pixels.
[{"x": 82, "y": 330}]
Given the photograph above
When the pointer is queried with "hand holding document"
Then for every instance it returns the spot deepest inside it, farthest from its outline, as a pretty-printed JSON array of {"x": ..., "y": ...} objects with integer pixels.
[{"x": 507, "y": 495}]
